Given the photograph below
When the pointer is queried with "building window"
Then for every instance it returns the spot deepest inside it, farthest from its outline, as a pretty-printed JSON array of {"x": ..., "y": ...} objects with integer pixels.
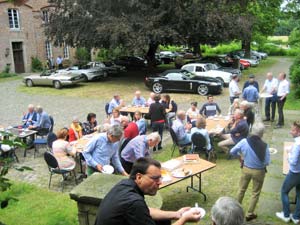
[
  {"x": 66, "y": 51},
  {"x": 48, "y": 50},
  {"x": 13, "y": 17},
  {"x": 45, "y": 16}
]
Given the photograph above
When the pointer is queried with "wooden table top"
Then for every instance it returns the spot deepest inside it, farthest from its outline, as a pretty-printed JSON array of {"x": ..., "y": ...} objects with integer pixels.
[
  {"x": 197, "y": 167},
  {"x": 286, "y": 147},
  {"x": 216, "y": 124},
  {"x": 80, "y": 144},
  {"x": 21, "y": 133}
]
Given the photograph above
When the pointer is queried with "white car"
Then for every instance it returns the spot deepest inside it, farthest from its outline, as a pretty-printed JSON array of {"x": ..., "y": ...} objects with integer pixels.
[{"x": 202, "y": 69}]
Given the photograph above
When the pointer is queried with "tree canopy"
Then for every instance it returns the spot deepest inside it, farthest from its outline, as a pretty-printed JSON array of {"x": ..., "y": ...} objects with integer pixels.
[{"x": 144, "y": 24}]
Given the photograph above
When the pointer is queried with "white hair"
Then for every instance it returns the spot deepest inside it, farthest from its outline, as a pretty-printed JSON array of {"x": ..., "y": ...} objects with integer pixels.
[
  {"x": 227, "y": 211},
  {"x": 258, "y": 129},
  {"x": 154, "y": 137},
  {"x": 115, "y": 130}
]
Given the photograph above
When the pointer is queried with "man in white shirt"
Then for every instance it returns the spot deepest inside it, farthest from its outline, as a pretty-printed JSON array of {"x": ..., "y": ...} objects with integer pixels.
[
  {"x": 59, "y": 62},
  {"x": 270, "y": 87},
  {"x": 282, "y": 92},
  {"x": 234, "y": 90}
]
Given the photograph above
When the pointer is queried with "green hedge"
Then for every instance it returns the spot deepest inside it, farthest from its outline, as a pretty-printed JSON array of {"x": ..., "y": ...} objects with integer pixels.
[
  {"x": 275, "y": 50},
  {"x": 221, "y": 48},
  {"x": 295, "y": 76}
]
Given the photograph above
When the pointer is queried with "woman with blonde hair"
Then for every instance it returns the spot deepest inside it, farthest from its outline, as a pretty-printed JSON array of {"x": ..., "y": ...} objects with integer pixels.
[
  {"x": 61, "y": 149},
  {"x": 75, "y": 131},
  {"x": 200, "y": 128}
]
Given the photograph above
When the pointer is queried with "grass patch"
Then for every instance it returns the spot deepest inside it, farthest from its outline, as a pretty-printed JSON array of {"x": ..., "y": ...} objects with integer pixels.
[
  {"x": 4, "y": 77},
  {"x": 292, "y": 103},
  {"x": 38, "y": 206}
]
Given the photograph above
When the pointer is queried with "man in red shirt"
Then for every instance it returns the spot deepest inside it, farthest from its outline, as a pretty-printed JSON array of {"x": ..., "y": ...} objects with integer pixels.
[{"x": 131, "y": 130}]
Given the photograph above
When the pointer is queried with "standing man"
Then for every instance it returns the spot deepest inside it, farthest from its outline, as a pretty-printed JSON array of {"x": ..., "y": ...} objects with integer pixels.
[
  {"x": 59, "y": 62},
  {"x": 103, "y": 149},
  {"x": 256, "y": 157},
  {"x": 157, "y": 115},
  {"x": 210, "y": 108},
  {"x": 270, "y": 87},
  {"x": 125, "y": 203},
  {"x": 283, "y": 91},
  {"x": 251, "y": 81},
  {"x": 250, "y": 93},
  {"x": 234, "y": 90},
  {"x": 292, "y": 179}
]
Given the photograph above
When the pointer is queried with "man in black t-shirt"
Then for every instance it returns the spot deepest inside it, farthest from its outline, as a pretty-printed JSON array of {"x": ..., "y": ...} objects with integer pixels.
[{"x": 125, "y": 203}]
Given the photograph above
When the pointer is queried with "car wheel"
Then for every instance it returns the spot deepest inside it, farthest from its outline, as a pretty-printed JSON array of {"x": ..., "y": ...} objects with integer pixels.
[
  {"x": 157, "y": 88},
  {"x": 85, "y": 78},
  {"x": 57, "y": 84},
  {"x": 29, "y": 83},
  {"x": 221, "y": 80},
  {"x": 202, "y": 89}
]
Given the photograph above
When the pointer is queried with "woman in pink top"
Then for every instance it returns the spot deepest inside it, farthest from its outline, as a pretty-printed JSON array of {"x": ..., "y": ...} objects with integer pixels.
[{"x": 62, "y": 149}]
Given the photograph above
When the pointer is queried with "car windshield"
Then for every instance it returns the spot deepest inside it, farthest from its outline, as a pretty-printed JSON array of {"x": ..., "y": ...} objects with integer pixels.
[{"x": 188, "y": 74}]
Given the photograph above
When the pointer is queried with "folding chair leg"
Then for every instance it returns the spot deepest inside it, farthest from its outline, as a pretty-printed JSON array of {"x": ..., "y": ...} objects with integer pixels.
[
  {"x": 173, "y": 149},
  {"x": 74, "y": 173},
  {"x": 50, "y": 180}
]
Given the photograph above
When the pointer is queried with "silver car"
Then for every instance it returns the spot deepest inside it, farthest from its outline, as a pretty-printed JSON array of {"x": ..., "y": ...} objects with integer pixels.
[
  {"x": 49, "y": 78},
  {"x": 87, "y": 72}
]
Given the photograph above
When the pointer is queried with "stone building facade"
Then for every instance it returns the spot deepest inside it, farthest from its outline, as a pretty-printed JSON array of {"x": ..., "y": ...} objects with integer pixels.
[{"x": 22, "y": 36}]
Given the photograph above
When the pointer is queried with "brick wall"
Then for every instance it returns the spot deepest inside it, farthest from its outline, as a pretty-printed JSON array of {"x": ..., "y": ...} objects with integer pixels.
[{"x": 31, "y": 34}]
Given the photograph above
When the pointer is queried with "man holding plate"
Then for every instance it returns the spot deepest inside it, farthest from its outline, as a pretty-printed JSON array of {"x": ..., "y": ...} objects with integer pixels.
[
  {"x": 125, "y": 203},
  {"x": 103, "y": 149}
]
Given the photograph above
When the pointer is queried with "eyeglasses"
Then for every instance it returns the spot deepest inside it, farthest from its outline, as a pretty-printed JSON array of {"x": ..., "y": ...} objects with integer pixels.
[{"x": 155, "y": 178}]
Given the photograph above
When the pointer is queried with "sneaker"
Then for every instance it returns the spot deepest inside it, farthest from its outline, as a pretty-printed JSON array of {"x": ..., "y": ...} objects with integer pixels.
[
  {"x": 281, "y": 216},
  {"x": 251, "y": 217},
  {"x": 295, "y": 221}
]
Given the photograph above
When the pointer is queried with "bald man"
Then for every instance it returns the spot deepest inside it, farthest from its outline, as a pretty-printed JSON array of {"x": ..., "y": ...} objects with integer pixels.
[
  {"x": 138, "y": 100},
  {"x": 181, "y": 129},
  {"x": 270, "y": 87}
]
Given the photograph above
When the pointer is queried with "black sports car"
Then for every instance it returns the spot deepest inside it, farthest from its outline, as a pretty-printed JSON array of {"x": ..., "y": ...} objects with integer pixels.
[{"x": 182, "y": 80}]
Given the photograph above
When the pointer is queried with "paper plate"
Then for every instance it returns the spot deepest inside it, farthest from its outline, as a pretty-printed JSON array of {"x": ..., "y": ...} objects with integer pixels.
[
  {"x": 108, "y": 169},
  {"x": 201, "y": 210},
  {"x": 273, "y": 151},
  {"x": 179, "y": 173}
]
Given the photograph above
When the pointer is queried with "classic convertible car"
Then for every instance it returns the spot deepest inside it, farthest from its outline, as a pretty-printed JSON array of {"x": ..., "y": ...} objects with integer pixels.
[
  {"x": 183, "y": 80},
  {"x": 50, "y": 78}
]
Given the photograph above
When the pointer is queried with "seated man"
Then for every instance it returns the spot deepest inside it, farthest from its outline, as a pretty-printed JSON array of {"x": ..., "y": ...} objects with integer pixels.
[
  {"x": 138, "y": 100},
  {"x": 138, "y": 147},
  {"x": 210, "y": 108},
  {"x": 103, "y": 149},
  {"x": 43, "y": 121},
  {"x": 238, "y": 131},
  {"x": 131, "y": 129},
  {"x": 125, "y": 203},
  {"x": 181, "y": 130},
  {"x": 116, "y": 102},
  {"x": 30, "y": 117},
  {"x": 227, "y": 211},
  {"x": 140, "y": 122}
]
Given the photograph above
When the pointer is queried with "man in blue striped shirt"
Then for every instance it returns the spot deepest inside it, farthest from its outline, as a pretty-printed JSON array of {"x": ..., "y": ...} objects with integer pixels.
[
  {"x": 292, "y": 179},
  {"x": 102, "y": 149}
]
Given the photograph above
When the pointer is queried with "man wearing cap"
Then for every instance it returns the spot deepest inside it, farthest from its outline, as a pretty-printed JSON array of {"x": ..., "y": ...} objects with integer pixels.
[
  {"x": 234, "y": 90},
  {"x": 251, "y": 80}
]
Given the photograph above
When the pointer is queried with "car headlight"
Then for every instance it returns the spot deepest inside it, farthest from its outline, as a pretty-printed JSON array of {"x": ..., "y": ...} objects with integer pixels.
[{"x": 214, "y": 83}]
